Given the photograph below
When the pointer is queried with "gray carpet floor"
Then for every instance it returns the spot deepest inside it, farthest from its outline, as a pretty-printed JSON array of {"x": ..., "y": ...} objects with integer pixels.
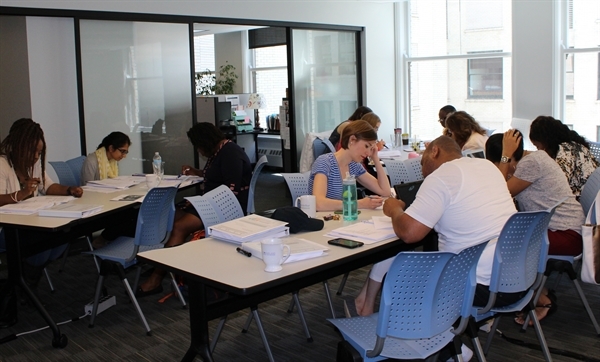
[{"x": 119, "y": 334}]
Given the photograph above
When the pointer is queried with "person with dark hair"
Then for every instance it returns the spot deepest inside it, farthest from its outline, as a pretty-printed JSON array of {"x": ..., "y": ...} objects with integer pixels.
[
  {"x": 358, "y": 114},
  {"x": 103, "y": 163},
  {"x": 465, "y": 130},
  {"x": 566, "y": 147},
  {"x": 359, "y": 141},
  {"x": 465, "y": 200},
  {"x": 23, "y": 176},
  {"x": 227, "y": 164},
  {"x": 538, "y": 183},
  {"x": 444, "y": 112}
]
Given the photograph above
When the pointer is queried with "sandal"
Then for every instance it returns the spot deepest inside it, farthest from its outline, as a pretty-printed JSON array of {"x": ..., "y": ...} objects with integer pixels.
[{"x": 552, "y": 307}]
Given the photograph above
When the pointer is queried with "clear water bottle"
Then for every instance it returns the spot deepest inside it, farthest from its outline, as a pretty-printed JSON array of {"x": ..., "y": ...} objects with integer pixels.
[
  {"x": 349, "y": 200},
  {"x": 157, "y": 163}
]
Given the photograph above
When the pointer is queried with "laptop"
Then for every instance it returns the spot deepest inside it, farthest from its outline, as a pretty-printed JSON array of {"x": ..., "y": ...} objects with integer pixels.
[{"x": 407, "y": 191}]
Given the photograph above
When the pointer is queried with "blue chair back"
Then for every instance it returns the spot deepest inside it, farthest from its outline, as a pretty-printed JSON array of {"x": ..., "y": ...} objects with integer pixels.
[
  {"x": 413, "y": 165},
  {"x": 257, "y": 168},
  {"x": 64, "y": 173},
  {"x": 521, "y": 252},
  {"x": 425, "y": 293},
  {"x": 590, "y": 190},
  {"x": 595, "y": 150},
  {"x": 155, "y": 219},
  {"x": 297, "y": 183},
  {"x": 397, "y": 172},
  {"x": 217, "y": 206},
  {"x": 76, "y": 164},
  {"x": 322, "y": 146}
]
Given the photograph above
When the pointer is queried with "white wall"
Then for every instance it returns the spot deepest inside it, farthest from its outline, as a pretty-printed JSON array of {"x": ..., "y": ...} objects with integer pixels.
[{"x": 376, "y": 17}]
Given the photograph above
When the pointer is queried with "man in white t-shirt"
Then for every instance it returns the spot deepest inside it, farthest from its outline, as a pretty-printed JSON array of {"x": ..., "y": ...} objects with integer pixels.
[{"x": 465, "y": 200}]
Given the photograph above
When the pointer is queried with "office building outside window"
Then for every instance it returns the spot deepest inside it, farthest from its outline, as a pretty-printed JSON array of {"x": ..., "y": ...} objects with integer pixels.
[
  {"x": 459, "y": 54},
  {"x": 269, "y": 76}
]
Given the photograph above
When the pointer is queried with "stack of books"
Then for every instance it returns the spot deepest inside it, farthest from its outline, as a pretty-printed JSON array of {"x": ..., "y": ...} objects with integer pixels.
[{"x": 248, "y": 228}]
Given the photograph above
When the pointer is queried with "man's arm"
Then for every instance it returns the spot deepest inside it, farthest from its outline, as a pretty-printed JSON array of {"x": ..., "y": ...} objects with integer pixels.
[{"x": 405, "y": 227}]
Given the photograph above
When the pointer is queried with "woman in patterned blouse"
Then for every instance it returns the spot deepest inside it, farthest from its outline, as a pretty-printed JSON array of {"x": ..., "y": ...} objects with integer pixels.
[{"x": 567, "y": 147}]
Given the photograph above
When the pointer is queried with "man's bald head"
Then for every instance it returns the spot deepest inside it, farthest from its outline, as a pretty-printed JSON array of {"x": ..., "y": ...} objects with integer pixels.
[{"x": 438, "y": 152}]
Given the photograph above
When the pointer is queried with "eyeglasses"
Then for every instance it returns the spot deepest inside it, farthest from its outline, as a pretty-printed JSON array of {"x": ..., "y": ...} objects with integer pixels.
[{"x": 123, "y": 151}]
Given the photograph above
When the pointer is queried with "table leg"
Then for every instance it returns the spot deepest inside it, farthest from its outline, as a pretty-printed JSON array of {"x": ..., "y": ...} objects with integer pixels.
[
  {"x": 199, "y": 344},
  {"x": 15, "y": 276}
]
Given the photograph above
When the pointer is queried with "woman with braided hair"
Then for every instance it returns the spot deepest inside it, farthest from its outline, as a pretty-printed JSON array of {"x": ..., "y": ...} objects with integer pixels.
[{"x": 23, "y": 175}]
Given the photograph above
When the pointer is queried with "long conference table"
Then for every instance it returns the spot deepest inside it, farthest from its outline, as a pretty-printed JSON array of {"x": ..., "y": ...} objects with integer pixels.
[
  {"x": 28, "y": 235},
  {"x": 216, "y": 264}
]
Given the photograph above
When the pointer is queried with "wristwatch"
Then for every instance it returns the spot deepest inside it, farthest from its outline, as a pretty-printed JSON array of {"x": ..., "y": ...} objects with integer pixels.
[{"x": 504, "y": 159}]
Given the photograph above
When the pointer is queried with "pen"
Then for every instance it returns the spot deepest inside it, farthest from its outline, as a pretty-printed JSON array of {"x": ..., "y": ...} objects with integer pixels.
[{"x": 243, "y": 252}]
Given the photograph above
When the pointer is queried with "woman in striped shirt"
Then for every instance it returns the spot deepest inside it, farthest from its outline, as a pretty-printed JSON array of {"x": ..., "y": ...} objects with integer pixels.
[{"x": 358, "y": 142}]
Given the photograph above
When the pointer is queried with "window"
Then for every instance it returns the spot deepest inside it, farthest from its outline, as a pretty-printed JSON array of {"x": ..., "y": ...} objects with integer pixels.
[
  {"x": 204, "y": 63},
  {"x": 569, "y": 76},
  {"x": 485, "y": 78},
  {"x": 269, "y": 76},
  {"x": 452, "y": 57}
]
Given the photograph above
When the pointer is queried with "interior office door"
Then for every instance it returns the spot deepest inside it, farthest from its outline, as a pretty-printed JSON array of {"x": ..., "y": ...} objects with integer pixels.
[{"x": 325, "y": 81}]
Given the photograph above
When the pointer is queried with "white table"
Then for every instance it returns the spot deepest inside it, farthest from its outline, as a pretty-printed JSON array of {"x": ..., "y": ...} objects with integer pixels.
[{"x": 214, "y": 263}]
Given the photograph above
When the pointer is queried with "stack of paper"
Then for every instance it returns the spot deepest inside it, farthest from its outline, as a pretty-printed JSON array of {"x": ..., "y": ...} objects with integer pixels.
[
  {"x": 301, "y": 249},
  {"x": 368, "y": 232},
  {"x": 71, "y": 210},
  {"x": 120, "y": 182},
  {"x": 248, "y": 228},
  {"x": 34, "y": 204},
  {"x": 387, "y": 153}
]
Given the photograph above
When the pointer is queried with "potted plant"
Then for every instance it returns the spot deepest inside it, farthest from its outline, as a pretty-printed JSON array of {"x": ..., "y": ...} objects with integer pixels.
[
  {"x": 226, "y": 80},
  {"x": 205, "y": 83}
]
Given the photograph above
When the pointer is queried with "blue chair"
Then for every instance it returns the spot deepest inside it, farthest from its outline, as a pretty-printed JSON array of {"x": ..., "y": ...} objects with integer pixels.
[
  {"x": 519, "y": 263},
  {"x": 76, "y": 164},
  {"x": 154, "y": 224},
  {"x": 64, "y": 173},
  {"x": 297, "y": 184},
  {"x": 595, "y": 150},
  {"x": 397, "y": 172},
  {"x": 413, "y": 165},
  {"x": 590, "y": 190},
  {"x": 322, "y": 146},
  {"x": 423, "y": 295},
  {"x": 257, "y": 168}
]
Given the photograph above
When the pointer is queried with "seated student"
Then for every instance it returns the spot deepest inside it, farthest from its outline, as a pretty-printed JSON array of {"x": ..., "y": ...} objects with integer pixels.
[
  {"x": 442, "y": 114},
  {"x": 538, "y": 183},
  {"x": 358, "y": 113},
  {"x": 358, "y": 142},
  {"x": 103, "y": 163},
  {"x": 371, "y": 119},
  {"x": 465, "y": 200},
  {"x": 22, "y": 176},
  {"x": 566, "y": 147},
  {"x": 465, "y": 130},
  {"x": 228, "y": 165}
]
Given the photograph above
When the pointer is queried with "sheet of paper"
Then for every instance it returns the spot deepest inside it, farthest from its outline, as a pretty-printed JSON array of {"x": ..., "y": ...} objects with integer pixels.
[
  {"x": 362, "y": 231},
  {"x": 382, "y": 222}
]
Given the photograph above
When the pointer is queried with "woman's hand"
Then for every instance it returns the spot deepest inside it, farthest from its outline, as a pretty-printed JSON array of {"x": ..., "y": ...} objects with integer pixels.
[
  {"x": 370, "y": 202},
  {"x": 29, "y": 187},
  {"x": 373, "y": 154},
  {"x": 188, "y": 170},
  {"x": 380, "y": 145},
  {"x": 75, "y": 191},
  {"x": 510, "y": 142}
]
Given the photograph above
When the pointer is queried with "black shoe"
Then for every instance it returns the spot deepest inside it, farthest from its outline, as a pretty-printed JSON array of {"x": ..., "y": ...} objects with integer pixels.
[{"x": 139, "y": 293}]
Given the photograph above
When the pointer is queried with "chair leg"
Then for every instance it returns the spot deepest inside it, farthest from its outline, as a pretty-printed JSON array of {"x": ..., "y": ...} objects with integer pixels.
[
  {"x": 248, "y": 321},
  {"x": 263, "y": 336},
  {"x": 99, "y": 286},
  {"x": 536, "y": 297},
  {"x": 473, "y": 333},
  {"x": 178, "y": 291},
  {"x": 328, "y": 296},
  {"x": 89, "y": 241},
  {"x": 488, "y": 342},
  {"x": 49, "y": 280},
  {"x": 587, "y": 306},
  {"x": 121, "y": 273},
  {"x": 292, "y": 304},
  {"x": 64, "y": 258},
  {"x": 540, "y": 335},
  {"x": 296, "y": 299},
  {"x": 342, "y": 284},
  {"x": 218, "y": 331},
  {"x": 136, "y": 281}
]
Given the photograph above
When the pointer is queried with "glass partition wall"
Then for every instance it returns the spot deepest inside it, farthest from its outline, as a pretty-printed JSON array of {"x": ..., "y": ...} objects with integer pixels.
[
  {"x": 136, "y": 79},
  {"x": 325, "y": 80}
]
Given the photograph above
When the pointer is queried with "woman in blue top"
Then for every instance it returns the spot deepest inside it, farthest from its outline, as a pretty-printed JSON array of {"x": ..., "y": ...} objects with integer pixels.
[{"x": 358, "y": 141}]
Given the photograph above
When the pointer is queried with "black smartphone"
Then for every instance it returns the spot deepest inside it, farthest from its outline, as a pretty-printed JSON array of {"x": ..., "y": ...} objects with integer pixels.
[{"x": 350, "y": 244}]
